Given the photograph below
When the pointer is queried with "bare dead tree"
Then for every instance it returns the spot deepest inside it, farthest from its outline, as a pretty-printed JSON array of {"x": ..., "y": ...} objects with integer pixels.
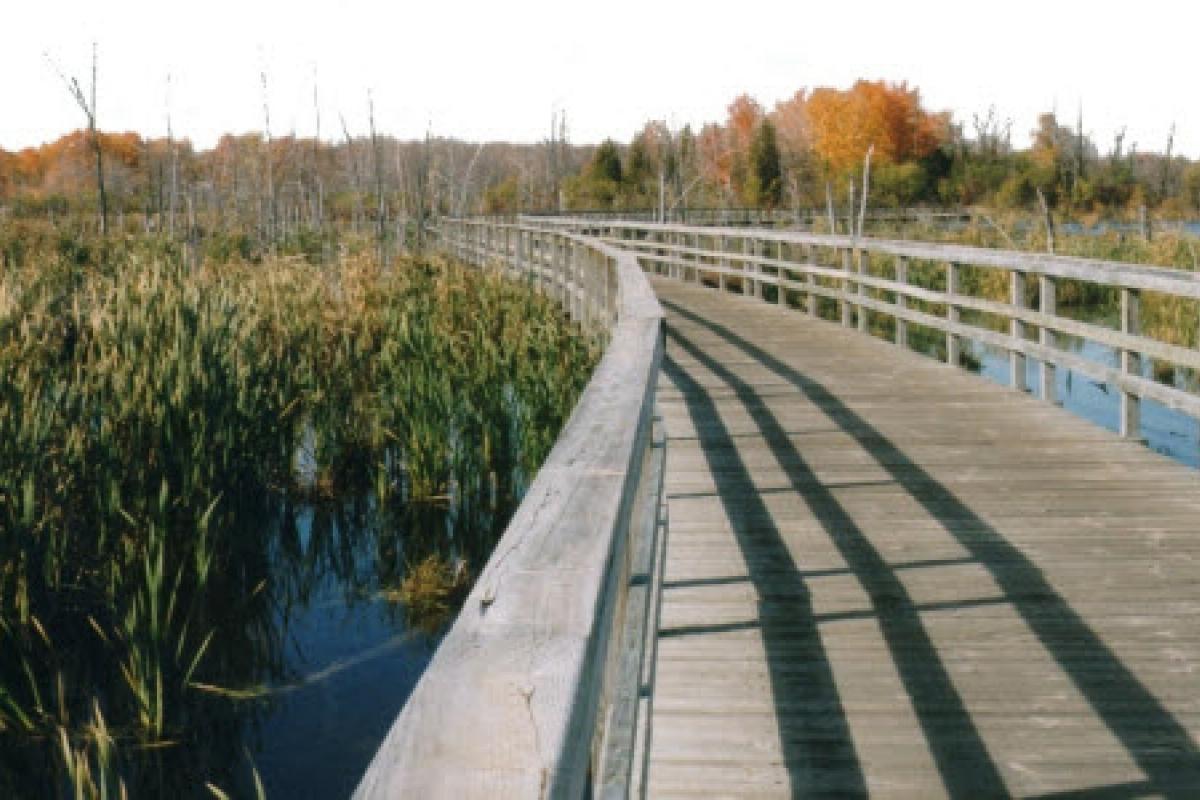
[
  {"x": 829, "y": 207},
  {"x": 377, "y": 166},
  {"x": 1165, "y": 186},
  {"x": 318, "y": 210},
  {"x": 866, "y": 187},
  {"x": 88, "y": 105},
  {"x": 466, "y": 180},
  {"x": 850, "y": 207},
  {"x": 355, "y": 180},
  {"x": 556, "y": 151},
  {"x": 270, "y": 169},
  {"x": 420, "y": 177},
  {"x": 1118, "y": 146},
  {"x": 174, "y": 153},
  {"x": 1047, "y": 219}
]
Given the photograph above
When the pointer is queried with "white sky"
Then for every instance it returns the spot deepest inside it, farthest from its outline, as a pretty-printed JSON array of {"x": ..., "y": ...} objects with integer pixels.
[{"x": 497, "y": 70}]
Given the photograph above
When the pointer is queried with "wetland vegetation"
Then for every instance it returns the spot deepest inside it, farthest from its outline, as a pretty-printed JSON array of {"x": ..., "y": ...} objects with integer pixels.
[{"x": 190, "y": 454}]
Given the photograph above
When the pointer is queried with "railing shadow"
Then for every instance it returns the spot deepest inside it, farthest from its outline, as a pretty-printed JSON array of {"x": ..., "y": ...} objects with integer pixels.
[
  {"x": 1155, "y": 740},
  {"x": 815, "y": 742},
  {"x": 966, "y": 768}
]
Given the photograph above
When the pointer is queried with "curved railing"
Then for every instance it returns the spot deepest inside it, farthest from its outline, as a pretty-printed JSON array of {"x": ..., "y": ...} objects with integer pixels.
[
  {"x": 870, "y": 278},
  {"x": 536, "y": 689}
]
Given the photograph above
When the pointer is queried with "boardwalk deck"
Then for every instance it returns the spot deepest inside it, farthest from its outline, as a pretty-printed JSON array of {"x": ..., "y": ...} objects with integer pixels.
[{"x": 887, "y": 576}]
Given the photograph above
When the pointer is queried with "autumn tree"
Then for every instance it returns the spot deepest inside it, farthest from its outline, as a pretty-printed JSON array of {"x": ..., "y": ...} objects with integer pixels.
[
  {"x": 715, "y": 159},
  {"x": 745, "y": 116},
  {"x": 887, "y": 116},
  {"x": 794, "y": 136},
  {"x": 1050, "y": 156}
]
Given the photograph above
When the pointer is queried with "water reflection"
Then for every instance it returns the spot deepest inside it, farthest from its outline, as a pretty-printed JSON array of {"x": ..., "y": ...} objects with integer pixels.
[
  {"x": 300, "y": 655},
  {"x": 1165, "y": 430}
]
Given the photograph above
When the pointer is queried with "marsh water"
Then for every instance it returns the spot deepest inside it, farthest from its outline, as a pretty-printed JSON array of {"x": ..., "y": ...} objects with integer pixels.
[
  {"x": 349, "y": 654},
  {"x": 238, "y": 507},
  {"x": 1164, "y": 430}
]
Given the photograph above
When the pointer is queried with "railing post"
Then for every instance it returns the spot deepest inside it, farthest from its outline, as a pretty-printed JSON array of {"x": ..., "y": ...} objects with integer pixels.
[
  {"x": 901, "y": 301},
  {"x": 723, "y": 263},
  {"x": 864, "y": 268},
  {"x": 1016, "y": 359},
  {"x": 953, "y": 344},
  {"x": 1048, "y": 304},
  {"x": 781, "y": 273},
  {"x": 750, "y": 266},
  {"x": 811, "y": 280},
  {"x": 1131, "y": 303},
  {"x": 611, "y": 292},
  {"x": 564, "y": 274},
  {"x": 595, "y": 302},
  {"x": 847, "y": 286},
  {"x": 572, "y": 282},
  {"x": 525, "y": 245}
]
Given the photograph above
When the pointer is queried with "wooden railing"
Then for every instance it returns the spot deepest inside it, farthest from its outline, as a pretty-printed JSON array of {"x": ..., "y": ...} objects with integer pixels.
[
  {"x": 536, "y": 690},
  {"x": 870, "y": 281},
  {"x": 769, "y": 217}
]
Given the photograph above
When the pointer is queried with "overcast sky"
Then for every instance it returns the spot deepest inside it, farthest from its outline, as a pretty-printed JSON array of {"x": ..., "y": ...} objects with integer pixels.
[{"x": 497, "y": 71}]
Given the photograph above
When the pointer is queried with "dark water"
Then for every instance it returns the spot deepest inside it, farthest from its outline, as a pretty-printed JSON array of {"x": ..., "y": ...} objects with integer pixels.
[
  {"x": 350, "y": 656},
  {"x": 1166, "y": 431},
  {"x": 350, "y": 662}
]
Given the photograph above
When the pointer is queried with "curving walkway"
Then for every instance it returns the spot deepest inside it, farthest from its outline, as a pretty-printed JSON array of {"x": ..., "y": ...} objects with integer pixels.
[{"x": 887, "y": 576}]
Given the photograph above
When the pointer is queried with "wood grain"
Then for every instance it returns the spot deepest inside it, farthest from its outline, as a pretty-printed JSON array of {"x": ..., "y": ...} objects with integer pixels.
[{"x": 888, "y": 577}]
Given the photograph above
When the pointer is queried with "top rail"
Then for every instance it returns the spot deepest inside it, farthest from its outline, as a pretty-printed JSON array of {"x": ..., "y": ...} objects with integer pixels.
[
  {"x": 514, "y": 701},
  {"x": 693, "y": 215}
]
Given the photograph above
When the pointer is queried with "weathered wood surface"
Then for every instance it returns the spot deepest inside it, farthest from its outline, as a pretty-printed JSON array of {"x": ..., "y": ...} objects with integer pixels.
[
  {"x": 509, "y": 706},
  {"x": 887, "y": 576}
]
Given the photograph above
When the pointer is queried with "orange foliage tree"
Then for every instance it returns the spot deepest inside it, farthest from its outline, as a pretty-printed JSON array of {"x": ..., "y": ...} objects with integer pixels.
[{"x": 844, "y": 124}]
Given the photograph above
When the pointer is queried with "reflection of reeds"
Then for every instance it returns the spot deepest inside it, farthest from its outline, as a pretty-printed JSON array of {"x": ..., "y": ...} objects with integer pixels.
[
  {"x": 149, "y": 422},
  {"x": 430, "y": 590}
]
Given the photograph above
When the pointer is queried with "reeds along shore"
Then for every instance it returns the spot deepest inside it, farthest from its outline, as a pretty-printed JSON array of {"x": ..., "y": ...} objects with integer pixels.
[{"x": 153, "y": 421}]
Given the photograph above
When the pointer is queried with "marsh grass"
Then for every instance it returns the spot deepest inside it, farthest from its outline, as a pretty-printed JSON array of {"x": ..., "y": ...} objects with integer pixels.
[
  {"x": 1166, "y": 318},
  {"x": 151, "y": 419}
]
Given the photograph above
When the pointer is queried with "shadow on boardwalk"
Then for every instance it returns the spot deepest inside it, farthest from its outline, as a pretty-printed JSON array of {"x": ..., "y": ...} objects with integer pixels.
[{"x": 1154, "y": 739}]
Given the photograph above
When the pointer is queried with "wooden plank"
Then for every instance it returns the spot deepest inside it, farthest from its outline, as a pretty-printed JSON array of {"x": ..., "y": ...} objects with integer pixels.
[{"x": 933, "y": 523}]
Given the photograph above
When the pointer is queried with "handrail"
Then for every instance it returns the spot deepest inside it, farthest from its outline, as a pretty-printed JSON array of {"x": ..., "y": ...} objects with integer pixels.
[
  {"x": 517, "y": 699},
  {"x": 707, "y": 216},
  {"x": 838, "y": 268}
]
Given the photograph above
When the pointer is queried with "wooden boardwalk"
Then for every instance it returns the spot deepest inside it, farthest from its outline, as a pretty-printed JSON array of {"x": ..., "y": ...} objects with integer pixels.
[{"x": 885, "y": 576}]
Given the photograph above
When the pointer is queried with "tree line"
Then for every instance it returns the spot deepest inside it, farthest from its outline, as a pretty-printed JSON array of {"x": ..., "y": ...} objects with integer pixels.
[{"x": 811, "y": 151}]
